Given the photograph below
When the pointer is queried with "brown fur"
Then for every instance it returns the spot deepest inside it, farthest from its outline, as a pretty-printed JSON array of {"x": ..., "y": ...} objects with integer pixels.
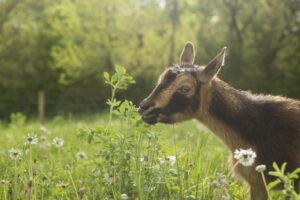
[{"x": 270, "y": 125}]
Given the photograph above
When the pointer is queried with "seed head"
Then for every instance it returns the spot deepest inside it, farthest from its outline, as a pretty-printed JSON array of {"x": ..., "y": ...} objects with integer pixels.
[
  {"x": 43, "y": 129},
  {"x": 4, "y": 181},
  {"x": 81, "y": 156},
  {"x": 124, "y": 196},
  {"x": 260, "y": 168},
  {"x": 58, "y": 142},
  {"x": 215, "y": 184},
  {"x": 81, "y": 192},
  {"x": 31, "y": 139},
  {"x": 15, "y": 154},
  {"x": 245, "y": 157}
]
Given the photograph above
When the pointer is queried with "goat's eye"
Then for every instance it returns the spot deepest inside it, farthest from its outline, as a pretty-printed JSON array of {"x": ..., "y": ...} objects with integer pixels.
[{"x": 184, "y": 89}]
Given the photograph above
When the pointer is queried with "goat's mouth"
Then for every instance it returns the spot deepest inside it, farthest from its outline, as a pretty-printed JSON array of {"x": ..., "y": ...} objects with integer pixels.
[{"x": 150, "y": 118}]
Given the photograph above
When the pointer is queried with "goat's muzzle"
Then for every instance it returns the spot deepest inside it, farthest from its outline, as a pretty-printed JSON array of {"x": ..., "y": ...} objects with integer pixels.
[{"x": 149, "y": 117}]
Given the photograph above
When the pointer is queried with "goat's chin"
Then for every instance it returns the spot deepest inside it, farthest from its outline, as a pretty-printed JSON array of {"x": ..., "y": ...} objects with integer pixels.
[{"x": 150, "y": 119}]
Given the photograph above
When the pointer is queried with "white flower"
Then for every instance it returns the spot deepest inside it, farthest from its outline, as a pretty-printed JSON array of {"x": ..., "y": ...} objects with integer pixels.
[
  {"x": 124, "y": 196},
  {"x": 58, "y": 142},
  {"x": 44, "y": 129},
  {"x": 260, "y": 168},
  {"x": 3, "y": 181},
  {"x": 15, "y": 154},
  {"x": 142, "y": 159},
  {"x": 168, "y": 159},
  {"x": 81, "y": 156},
  {"x": 171, "y": 159},
  {"x": 31, "y": 139},
  {"x": 245, "y": 157}
]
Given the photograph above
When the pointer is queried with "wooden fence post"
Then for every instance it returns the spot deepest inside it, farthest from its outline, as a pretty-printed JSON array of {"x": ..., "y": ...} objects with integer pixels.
[{"x": 41, "y": 106}]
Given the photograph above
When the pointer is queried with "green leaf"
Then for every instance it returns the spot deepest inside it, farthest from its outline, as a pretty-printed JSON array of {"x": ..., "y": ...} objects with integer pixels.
[
  {"x": 273, "y": 184},
  {"x": 106, "y": 76},
  {"x": 277, "y": 174},
  {"x": 276, "y": 166},
  {"x": 283, "y": 167},
  {"x": 296, "y": 171}
]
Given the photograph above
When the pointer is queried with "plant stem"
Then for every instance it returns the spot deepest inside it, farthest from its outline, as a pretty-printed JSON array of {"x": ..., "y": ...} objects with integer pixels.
[
  {"x": 227, "y": 177},
  {"x": 73, "y": 185},
  {"x": 113, "y": 91},
  {"x": 16, "y": 179},
  {"x": 30, "y": 152},
  {"x": 265, "y": 183},
  {"x": 4, "y": 191}
]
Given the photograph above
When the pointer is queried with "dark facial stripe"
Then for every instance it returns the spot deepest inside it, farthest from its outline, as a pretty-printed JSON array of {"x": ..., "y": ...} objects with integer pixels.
[
  {"x": 180, "y": 103},
  {"x": 168, "y": 79}
]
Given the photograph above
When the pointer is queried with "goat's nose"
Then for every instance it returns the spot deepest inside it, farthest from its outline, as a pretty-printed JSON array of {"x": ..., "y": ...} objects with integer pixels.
[{"x": 145, "y": 106}]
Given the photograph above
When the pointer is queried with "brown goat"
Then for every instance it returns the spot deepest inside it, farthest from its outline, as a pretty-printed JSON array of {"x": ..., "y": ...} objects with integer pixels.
[{"x": 270, "y": 125}]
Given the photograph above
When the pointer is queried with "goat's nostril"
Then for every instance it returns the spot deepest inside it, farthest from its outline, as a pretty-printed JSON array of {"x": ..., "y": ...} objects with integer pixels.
[{"x": 145, "y": 106}]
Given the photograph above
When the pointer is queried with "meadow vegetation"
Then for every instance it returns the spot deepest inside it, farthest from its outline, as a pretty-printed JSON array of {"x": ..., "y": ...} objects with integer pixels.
[{"x": 118, "y": 156}]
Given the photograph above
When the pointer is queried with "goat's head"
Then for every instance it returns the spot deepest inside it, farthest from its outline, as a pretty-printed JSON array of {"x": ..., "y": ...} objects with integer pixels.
[{"x": 177, "y": 96}]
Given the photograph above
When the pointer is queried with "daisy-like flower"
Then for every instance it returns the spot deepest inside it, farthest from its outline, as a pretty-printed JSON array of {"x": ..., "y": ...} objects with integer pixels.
[
  {"x": 31, "y": 139},
  {"x": 81, "y": 156},
  {"x": 260, "y": 168},
  {"x": 58, "y": 142},
  {"x": 245, "y": 157},
  {"x": 15, "y": 154}
]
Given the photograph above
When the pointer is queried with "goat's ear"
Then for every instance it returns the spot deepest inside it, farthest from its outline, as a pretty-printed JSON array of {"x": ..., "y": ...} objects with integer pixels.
[
  {"x": 188, "y": 54},
  {"x": 212, "y": 68}
]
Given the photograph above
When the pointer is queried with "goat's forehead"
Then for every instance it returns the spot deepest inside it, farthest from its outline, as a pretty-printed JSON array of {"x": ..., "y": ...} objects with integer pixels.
[{"x": 177, "y": 69}]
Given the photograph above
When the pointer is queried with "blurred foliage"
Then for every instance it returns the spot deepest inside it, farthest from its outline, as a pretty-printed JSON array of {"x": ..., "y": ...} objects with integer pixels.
[{"x": 64, "y": 46}]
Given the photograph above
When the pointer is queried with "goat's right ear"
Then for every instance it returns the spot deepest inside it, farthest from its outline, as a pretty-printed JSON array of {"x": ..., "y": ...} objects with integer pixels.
[
  {"x": 188, "y": 54},
  {"x": 213, "y": 67}
]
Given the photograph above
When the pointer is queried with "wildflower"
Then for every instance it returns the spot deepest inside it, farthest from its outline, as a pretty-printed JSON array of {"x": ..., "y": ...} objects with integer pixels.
[
  {"x": 67, "y": 167},
  {"x": 215, "y": 184},
  {"x": 171, "y": 159},
  {"x": 43, "y": 129},
  {"x": 58, "y": 142},
  {"x": 142, "y": 159},
  {"x": 15, "y": 154},
  {"x": 124, "y": 196},
  {"x": 81, "y": 192},
  {"x": 45, "y": 145},
  {"x": 81, "y": 156},
  {"x": 245, "y": 157},
  {"x": 62, "y": 185},
  {"x": 43, "y": 138},
  {"x": 31, "y": 139},
  {"x": 260, "y": 168},
  {"x": 168, "y": 159},
  {"x": 191, "y": 165},
  {"x": 4, "y": 181},
  {"x": 223, "y": 182}
]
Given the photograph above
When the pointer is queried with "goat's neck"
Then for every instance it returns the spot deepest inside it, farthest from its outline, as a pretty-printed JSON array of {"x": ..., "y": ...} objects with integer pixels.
[{"x": 220, "y": 102}]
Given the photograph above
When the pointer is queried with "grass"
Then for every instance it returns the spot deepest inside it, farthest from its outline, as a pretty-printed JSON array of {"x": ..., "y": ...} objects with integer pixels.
[
  {"x": 126, "y": 159},
  {"x": 119, "y": 159}
]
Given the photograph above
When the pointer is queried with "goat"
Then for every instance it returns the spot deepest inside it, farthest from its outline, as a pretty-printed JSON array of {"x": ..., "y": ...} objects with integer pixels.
[{"x": 270, "y": 125}]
